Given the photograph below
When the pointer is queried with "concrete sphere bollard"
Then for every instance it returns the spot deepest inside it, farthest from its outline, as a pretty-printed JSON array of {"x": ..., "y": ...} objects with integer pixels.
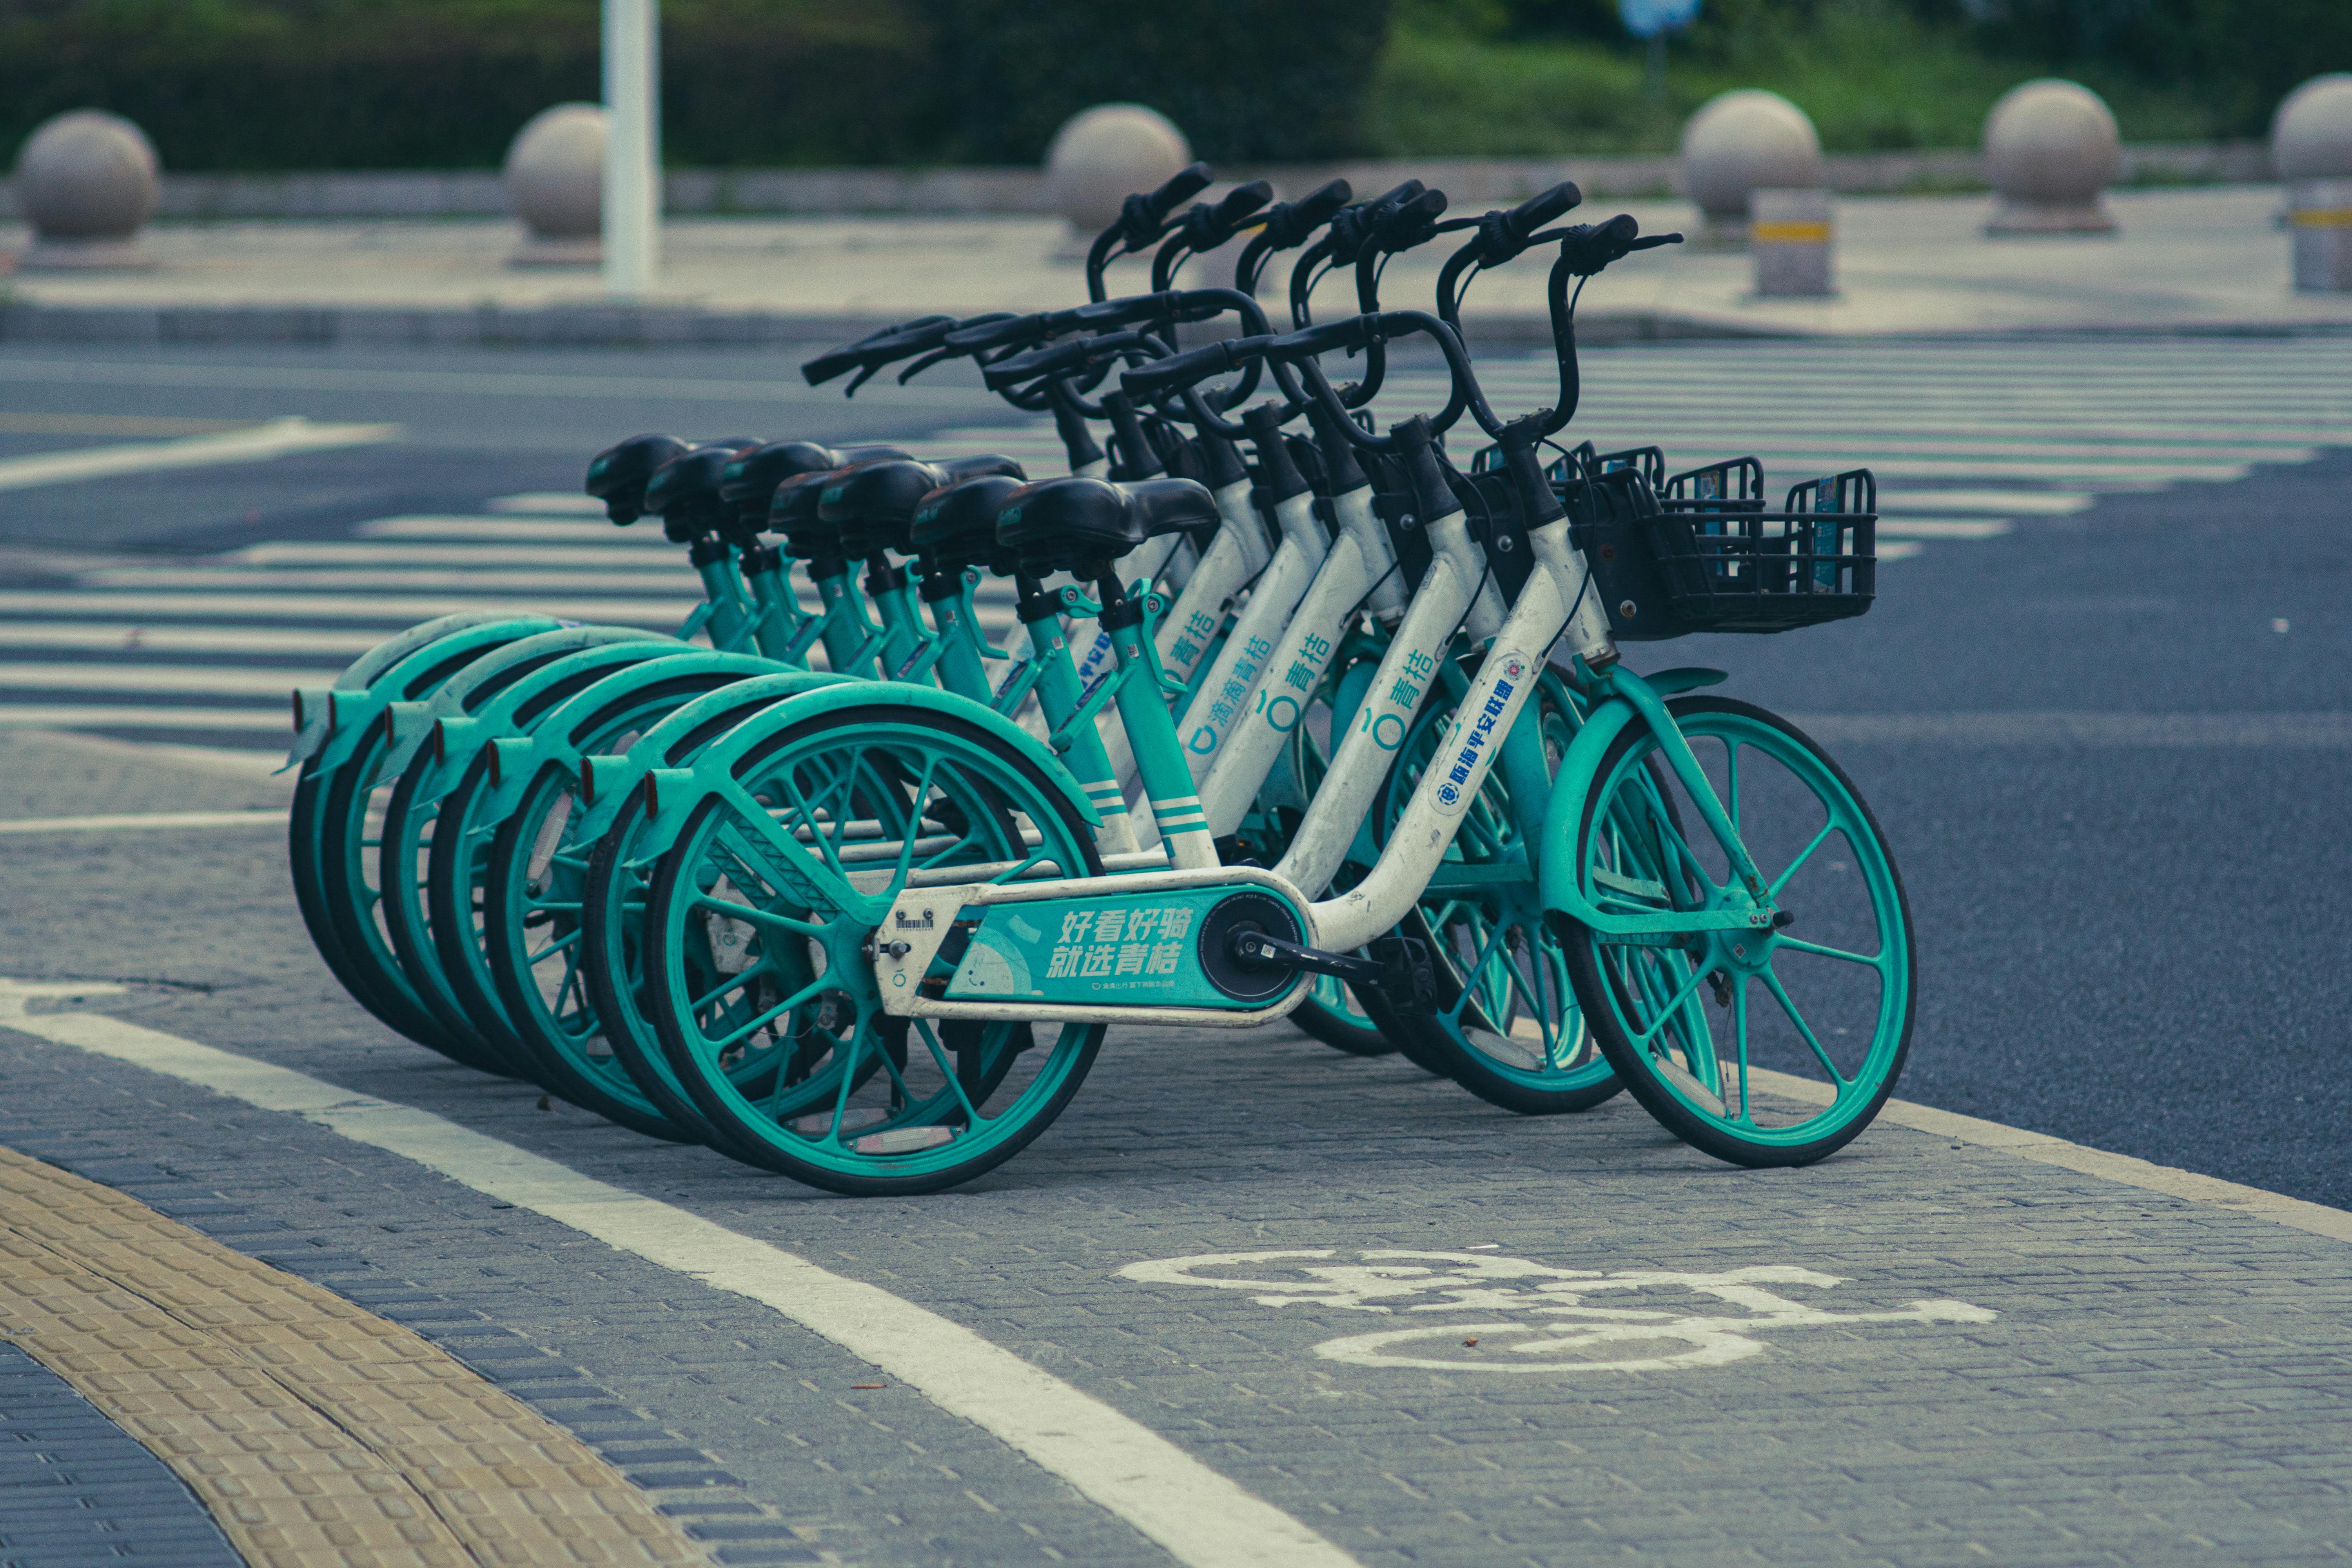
[
  {"x": 1102, "y": 155},
  {"x": 2311, "y": 134},
  {"x": 88, "y": 179},
  {"x": 555, "y": 184},
  {"x": 1742, "y": 141},
  {"x": 1789, "y": 234},
  {"x": 2051, "y": 148}
]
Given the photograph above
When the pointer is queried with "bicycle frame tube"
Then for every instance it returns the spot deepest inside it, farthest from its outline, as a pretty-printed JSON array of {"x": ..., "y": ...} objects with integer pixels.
[
  {"x": 1555, "y": 601},
  {"x": 851, "y": 639},
  {"x": 1233, "y": 558},
  {"x": 1241, "y": 665},
  {"x": 1059, "y": 693},
  {"x": 1352, "y": 780},
  {"x": 1360, "y": 559}
]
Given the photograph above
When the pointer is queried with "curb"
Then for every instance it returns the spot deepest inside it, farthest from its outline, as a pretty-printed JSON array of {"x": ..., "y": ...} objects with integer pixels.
[
  {"x": 655, "y": 326},
  {"x": 2123, "y": 1169}
]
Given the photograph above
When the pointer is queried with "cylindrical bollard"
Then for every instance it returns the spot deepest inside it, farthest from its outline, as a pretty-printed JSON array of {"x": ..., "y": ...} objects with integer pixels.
[
  {"x": 2319, "y": 216},
  {"x": 87, "y": 180},
  {"x": 1790, "y": 235}
]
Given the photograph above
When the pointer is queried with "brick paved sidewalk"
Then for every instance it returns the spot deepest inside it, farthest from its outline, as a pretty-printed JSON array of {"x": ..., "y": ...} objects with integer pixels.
[{"x": 1929, "y": 1349}]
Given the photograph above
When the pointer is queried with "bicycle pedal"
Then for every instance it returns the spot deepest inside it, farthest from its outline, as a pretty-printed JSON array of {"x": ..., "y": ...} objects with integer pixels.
[{"x": 1407, "y": 979}]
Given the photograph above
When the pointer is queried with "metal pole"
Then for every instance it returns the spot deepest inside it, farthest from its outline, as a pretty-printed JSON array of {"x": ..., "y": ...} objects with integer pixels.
[{"x": 632, "y": 146}]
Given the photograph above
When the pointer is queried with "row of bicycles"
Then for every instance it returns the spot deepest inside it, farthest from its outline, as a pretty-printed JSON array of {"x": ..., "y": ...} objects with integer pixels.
[{"x": 1308, "y": 715}]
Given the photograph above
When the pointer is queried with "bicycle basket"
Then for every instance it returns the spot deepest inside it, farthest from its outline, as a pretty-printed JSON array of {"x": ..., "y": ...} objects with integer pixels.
[{"x": 1722, "y": 564}]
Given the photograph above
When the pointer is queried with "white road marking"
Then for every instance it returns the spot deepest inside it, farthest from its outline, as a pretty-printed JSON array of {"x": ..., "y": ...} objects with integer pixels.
[
  {"x": 391, "y": 609},
  {"x": 645, "y": 535},
  {"x": 554, "y": 557},
  {"x": 219, "y": 679},
  {"x": 2022, "y": 503},
  {"x": 542, "y": 503},
  {"x": 130, "y": 636},
  {"x": 412, "y": 579},
  {"x": 622, "y": 389},
  {"x": 1621, "y": 1334},
  {"x": 146, "y": 821},
  {"x": 277, "y": 438},
  {"x": 85, "y": 716},
  {"x": 1201, "y": 1517},
  {"x": 2315, "y": 730},
  {"x": 1943, "y": 527}
]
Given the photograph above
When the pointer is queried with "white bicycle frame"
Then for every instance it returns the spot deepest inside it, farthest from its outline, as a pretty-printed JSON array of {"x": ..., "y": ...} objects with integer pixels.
[{"x": 1243, "y": 663}]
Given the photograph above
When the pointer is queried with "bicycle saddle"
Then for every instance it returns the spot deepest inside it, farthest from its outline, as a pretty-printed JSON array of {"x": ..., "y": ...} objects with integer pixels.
[
  {"x": 874, "y": 503},
  {"x": 750, "y": 482},
  {"x": 1081, "y": 525},
  {"x": 792, "y": 512},
  {"x": 955, "y": 526},
  {"x": 617, "y": 475},
  {"x": 684, "y": 491}
]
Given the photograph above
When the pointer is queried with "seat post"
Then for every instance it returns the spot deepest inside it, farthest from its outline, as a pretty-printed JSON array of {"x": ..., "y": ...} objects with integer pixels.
[{"x": 1150, "y": 730}]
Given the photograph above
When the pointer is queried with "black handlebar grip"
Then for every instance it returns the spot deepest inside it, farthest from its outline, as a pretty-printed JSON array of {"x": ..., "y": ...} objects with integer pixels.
[
  {"x": 1315, "y": 208},
  {"x": 1187, "y": 182},
  {"x": 994, "y": 334},
  {"x": 1178, "y": 370},
  {"x": 1345, "y": 334},
  {"x": 1538, "y": 210},
  {"x": 1408, "y": 226},
  {"x": 1240, "y": 201}
]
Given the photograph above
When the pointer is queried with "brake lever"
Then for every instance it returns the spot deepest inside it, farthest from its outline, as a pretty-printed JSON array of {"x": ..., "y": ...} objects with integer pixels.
[{"x": 937, "y": 356}]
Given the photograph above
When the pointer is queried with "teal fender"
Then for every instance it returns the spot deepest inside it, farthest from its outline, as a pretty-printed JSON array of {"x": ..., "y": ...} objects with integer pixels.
[
  {"x": 608, "y": 780},
  {"x": 329, "y": 722},
  {"x": 517, "y": 759},
  {"x": 1578, "y": 773},
  {"x": 672, "y": 794},
  {"x": 456, "y": 738},
  {"x": 409, "y": 726}
]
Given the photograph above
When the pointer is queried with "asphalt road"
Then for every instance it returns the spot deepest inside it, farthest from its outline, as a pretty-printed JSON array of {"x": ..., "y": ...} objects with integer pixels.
[{"x": 2132, "y": 928}]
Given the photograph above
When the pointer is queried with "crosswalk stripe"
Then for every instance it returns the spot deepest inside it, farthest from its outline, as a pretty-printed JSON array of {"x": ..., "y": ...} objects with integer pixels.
[
  {"x": 1970, "y": 441},
  {"x": 219, "y": 680}
]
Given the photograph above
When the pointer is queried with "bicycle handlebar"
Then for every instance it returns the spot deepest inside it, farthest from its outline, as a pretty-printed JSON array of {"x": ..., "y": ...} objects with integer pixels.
[{"x": 878, "y": 347}]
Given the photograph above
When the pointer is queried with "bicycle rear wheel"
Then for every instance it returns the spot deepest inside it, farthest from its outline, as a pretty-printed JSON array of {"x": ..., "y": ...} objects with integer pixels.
[{"x": 758, "y": 980}]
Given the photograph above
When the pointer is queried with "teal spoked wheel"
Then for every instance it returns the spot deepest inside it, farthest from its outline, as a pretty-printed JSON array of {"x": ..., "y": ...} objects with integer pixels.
[
  {"x": 532, "y": 903},
  {"x": 415, "y": 833},
  {"x": 1771, "y": 1048},
  {"x": 350, "y": 854},
  {"x": 759, "y": 983},
  {"x": 1506, "y": 1026},
  {"x": 529, "y": 931}
]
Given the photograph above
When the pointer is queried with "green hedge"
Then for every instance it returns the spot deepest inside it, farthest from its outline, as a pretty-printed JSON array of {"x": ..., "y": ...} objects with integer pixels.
[{"x": 355, "y": 84}]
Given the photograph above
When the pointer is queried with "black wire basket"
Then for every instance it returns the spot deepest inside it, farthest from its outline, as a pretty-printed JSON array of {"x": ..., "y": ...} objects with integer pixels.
[{"x": 1710, "y": 558}]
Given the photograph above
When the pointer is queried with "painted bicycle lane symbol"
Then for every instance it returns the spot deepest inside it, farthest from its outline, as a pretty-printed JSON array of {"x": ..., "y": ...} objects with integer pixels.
[{"x": 1565, "y": 1321}]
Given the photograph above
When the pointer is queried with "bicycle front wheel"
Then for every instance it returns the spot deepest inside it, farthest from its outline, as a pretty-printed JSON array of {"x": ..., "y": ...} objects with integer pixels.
[{"x": 1762, "y": 1048}]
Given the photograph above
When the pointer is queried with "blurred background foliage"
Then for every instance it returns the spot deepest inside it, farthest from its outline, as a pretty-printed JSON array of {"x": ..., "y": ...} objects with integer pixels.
[{"x": 312, "y": 84}]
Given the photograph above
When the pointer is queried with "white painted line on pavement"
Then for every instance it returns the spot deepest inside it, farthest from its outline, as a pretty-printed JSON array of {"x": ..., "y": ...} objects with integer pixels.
[
  {"x": 398, "y": 609},
  {"x": 558, "y": 503},
  {"x": 2323, "y": 731},
  {"x": 144, "y": 821},
  {"x": 129, "y": 637},
  {"x": 252, "y": 579},
  {"x": 540, "y": 530},
  {"x": 555, "y": 555},
  {"x": 276, "y": 439},
  {"x": 2017, "y": 503},
  {"x": 1203, "y": 1518},
  {"x": 217, "y": 679},
  {"x": 1942, "y": 527},
  {"x": 88, "y": 716}
]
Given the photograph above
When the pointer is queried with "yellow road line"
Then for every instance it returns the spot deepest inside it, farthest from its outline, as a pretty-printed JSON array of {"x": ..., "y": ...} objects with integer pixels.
[{"x": 318, "y": 1435}]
